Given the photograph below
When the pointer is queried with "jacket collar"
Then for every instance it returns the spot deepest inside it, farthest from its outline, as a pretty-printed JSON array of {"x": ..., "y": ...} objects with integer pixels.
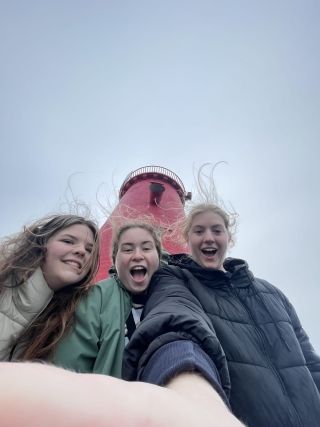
[{"x": 237, "y": 271}]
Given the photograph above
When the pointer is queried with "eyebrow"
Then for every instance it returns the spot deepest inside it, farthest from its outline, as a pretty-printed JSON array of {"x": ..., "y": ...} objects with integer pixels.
[
  {"x": 133, "y": 244},
  {"x": 211, "y": 226}
]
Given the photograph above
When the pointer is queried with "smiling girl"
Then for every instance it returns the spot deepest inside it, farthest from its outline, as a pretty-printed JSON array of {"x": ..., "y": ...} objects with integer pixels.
[
  {"x": 44, "y": 271},
  {"x": 267, "y": 365}
]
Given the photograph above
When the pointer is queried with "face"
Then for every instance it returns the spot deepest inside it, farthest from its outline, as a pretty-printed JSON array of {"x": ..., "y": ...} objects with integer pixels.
[
  {"x": 208, "y": 239},
  {"x": 137, "y": 259},
  {"x": 68, "y": 256}
]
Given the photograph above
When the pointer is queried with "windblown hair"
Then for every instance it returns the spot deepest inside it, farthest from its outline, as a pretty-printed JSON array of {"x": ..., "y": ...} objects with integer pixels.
[
  {"x": 151, "y": 229},
  {"x": 20, "y": 256},
  {"x": 208, "y": 200}
]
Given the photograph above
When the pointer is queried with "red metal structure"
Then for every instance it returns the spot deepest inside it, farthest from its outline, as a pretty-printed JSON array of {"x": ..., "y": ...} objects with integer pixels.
[{"x": 150, "y": 192}]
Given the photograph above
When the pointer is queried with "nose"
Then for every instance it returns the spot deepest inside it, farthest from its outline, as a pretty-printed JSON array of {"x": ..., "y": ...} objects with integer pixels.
[
  {"x": 80, "y": 250},
  {"x": 137, "y": 254},
  {"x": 208, "y": 236}
]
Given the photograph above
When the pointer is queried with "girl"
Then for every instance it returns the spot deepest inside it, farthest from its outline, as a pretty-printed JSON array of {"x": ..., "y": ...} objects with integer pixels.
[
  {"x": 44, "y": 271},
  {"x": 266, "y": 362},
  {"x": 97, "y": 341}
]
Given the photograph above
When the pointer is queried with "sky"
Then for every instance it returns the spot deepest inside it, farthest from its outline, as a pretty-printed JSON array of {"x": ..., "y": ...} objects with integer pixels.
[{"x": 90, "y": 91}]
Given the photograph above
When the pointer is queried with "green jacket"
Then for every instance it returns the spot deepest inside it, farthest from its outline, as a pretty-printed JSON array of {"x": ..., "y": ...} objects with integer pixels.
[{"x": 96, "y": 342}]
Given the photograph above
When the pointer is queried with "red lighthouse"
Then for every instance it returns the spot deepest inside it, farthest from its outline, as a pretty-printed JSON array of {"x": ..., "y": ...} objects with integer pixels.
[{"x": 154, "y": 192}]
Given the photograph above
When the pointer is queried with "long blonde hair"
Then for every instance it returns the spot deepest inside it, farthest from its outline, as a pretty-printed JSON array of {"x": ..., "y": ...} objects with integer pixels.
[{"x": 208, "y": 199}]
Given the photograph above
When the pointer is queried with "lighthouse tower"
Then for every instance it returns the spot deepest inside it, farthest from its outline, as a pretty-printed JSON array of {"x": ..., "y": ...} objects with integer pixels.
[{"x": 150, "y": 192}]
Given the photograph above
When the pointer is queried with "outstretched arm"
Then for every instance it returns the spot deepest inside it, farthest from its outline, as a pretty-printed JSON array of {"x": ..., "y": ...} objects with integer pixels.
[
  {"x": 172, "y": 313},
  {"x": 38, "y": 395}
]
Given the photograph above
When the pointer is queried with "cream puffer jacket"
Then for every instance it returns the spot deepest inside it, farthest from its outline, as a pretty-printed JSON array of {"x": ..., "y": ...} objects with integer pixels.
[{"x": 19, "y": 306}]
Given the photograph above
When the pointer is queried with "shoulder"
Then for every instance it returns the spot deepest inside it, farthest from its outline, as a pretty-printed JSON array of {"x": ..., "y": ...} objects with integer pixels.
[
  {"x": 31, "y": 296},
  {"x": 37, "y": 284},
  {"x": 261, "y": 285},
  {"x": 169, "y": 280},
  {"x": 169, "y": 270},
  {"x": 273, "y": 295},
  {"x": 94, "y": 299},
  {"x": 105, "y": 293},
  {"x": 171, "y": 273},
  {"x": 264, "y": 286},
  {"x": 34, "y": 286},
  {"x": 105, "y": 286}
]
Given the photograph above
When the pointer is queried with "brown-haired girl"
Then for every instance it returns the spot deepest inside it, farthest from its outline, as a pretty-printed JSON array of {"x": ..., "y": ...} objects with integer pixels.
[{"x": 44, "y": 271}]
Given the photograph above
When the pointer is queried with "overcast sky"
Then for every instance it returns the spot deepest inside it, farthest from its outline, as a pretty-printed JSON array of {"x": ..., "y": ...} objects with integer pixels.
[{"x": 95, "y": 89}]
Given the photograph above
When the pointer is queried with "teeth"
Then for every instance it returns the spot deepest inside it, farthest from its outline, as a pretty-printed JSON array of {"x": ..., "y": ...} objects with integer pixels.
[
  {"x": 138, "y": 269},
  {"x": 209, "y": 251}
]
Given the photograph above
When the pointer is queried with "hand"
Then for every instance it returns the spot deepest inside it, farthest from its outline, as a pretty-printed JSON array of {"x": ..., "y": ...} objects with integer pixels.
[{"x": 199, "y": 392}]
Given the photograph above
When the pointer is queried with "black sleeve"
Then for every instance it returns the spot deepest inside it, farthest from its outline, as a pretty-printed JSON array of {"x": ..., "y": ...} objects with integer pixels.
[
  {"x": 178, "y": 357},
  {"x": 172, "y": 313}
]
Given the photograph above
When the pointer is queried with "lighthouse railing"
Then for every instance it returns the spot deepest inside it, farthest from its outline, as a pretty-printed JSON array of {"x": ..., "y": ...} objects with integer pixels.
[{"x": 156, "y": 170}]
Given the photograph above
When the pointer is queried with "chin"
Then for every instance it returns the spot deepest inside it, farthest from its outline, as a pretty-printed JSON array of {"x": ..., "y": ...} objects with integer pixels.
[
  {"x": 71, "y": 280},
  {"x": 210, "y": 265},
  {"x": 138, "y": 290}
]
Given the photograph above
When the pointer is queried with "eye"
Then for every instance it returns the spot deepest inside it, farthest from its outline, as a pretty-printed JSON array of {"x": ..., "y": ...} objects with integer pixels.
[
  {"x": 198, "y": 232},
  {"x": 68, "y": 241},
  {"x": 126, "y": 250},
  {"x": 89, "y": 250}
]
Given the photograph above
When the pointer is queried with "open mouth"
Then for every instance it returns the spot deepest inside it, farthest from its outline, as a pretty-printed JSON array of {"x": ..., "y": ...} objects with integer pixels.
[
  {"x": 209, "y": 251},
  {"x": 138, "y": 273}
]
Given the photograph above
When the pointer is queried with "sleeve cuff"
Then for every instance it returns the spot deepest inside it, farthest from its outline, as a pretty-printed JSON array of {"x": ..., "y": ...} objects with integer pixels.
[{"x": 177, "y": 357}]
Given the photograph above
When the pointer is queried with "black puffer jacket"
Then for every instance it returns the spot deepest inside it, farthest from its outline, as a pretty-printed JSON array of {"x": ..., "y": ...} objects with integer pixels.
[{"x": 257, "y": 340}]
